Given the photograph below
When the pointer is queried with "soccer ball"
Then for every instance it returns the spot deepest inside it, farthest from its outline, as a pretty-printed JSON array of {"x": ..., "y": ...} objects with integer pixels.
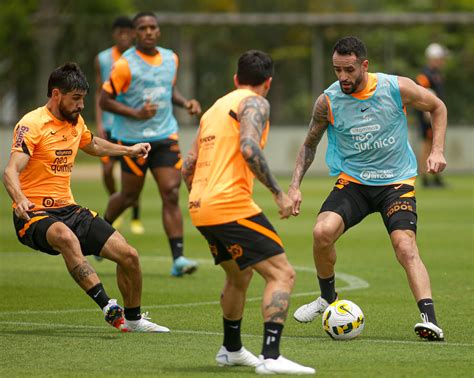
[{"x": 343, "y": 320}]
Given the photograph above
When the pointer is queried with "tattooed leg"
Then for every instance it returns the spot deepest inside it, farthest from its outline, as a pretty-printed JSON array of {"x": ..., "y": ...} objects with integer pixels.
[
  {"x": 85, "y": 275},
  {"x": 277, "y": 309}
]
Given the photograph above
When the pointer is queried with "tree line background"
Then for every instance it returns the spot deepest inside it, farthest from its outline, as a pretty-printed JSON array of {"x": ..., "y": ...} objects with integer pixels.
[{"x": 38, "y": 35}]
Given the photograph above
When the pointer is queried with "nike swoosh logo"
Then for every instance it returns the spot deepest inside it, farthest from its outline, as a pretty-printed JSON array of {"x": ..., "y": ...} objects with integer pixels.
[
  {"x": 363, "y": 110},
  {"x": 234, "y": 327},
  {"x": 398, "y": 186},
  {"x": 274, "y": 331},
  {"x": 53, "y": 132},
  {"x": 95, "y": 296}
]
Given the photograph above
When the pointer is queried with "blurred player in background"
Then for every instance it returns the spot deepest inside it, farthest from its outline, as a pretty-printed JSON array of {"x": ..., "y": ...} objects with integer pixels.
[
  {"x": 122, "y": 34},
  {"x": 225, "y": 157},
  {"x": 365, "y": 117},
  {"x": 142, "y": 90},
  {"x": 431, "y": 78},
  {"x": 47, "y": 218}
]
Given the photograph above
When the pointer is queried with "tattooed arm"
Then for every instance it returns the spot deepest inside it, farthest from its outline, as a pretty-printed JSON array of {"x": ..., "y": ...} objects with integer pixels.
[
  {"x": 189, "y": 165},
  {"x": 317, "y": 126},
  {"x": 253, "y": 115}
]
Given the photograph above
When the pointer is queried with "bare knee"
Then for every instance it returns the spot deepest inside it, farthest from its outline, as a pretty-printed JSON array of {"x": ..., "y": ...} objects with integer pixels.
[
  {"x": 286, "y": 275},
  {"x": 406, "y": 250},
  {"x": 241, "y": 281},
  {"x": 324, "y": 235},
  {"x": 170, "y": 195},
  {"x": 62, "y": 239},
  {"x": 129, "y": 258}
]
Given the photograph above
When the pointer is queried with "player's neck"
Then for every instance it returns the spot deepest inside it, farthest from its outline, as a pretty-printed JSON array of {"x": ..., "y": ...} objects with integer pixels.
[
  {"x": 363, "y": 84},
  {"x": 151, "y": 51},
  {"x": 260, "y": 90},
  {"x": 54, "y": 110}
]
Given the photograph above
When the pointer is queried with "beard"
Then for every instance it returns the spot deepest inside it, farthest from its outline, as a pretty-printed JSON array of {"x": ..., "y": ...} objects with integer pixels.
[
  {"x": 353, "y": 86},
  {"x": 71, "y": 117}
]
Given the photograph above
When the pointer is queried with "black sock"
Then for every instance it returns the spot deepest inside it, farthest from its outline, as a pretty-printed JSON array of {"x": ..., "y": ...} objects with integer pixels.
[
  {"x": 98, "y": 294},
  {"x": 135, "y": 212},
  {"x": 132, "y": 313},
  {"x": 176, "y": 245},
  {"x": 232, "y": 340},
  {"x": 271, "y": 339},
  {"x": 426, "y": 307},
  {"x": 328, "y": 288}
]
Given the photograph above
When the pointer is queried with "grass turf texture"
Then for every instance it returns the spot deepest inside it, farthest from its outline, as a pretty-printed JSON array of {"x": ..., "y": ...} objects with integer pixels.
[{"x": 49, "y": 327}]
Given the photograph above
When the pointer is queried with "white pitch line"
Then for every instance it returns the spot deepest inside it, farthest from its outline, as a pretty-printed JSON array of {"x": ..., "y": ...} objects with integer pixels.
[
  {"x": 354, "y": 283},
  {"x": 208, "y": 333}
]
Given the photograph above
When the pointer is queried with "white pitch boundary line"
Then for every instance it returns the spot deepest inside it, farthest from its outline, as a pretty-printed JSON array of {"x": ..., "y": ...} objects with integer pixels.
[
  {"x": 354, "y": 283},
  {"x": 208, "y": 333}
]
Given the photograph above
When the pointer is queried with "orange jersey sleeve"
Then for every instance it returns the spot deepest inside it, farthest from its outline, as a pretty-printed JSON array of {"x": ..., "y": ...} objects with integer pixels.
[
  {"x": 120, "y": 78},
  {"x": 422, "y": 80}
]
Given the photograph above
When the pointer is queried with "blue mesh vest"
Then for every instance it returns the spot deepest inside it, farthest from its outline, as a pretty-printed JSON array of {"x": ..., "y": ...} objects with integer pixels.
[
  {"x": 154, "y": 83},
  {"x": 106, "y": 61},
  {"x": 369, "y": 138}
]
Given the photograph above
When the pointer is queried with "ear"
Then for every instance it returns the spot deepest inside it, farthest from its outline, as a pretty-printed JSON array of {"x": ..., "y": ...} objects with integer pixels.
[
  {"x": 56, "y": 94},
  {"x": 236, "y": 81},
  {"x": 365, "y": 65},
  {"x": 268, "y": 83}
]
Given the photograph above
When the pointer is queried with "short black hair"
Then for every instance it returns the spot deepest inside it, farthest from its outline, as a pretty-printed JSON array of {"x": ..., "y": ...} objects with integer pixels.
[
  {"x": 351, "y": 45},
  {"x": 254, "y": 67},
  {"x": 122, "y": 22},
  {"x": 143, "y": 14},
  {"x": 67, "y": 78}
]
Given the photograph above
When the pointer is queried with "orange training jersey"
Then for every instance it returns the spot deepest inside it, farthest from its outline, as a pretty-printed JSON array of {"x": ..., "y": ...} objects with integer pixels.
[
  {"x": 223, "y": 183},
  {"x": 52, "y": 145}
]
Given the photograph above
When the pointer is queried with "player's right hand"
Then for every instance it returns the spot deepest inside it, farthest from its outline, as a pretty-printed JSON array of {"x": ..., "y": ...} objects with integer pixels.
[
  {"x": 285, "y": 204},
  {"x": 22, "y": 208},
  {"x": 147, "y": 111},
  {"x": 295, "y": 196}
]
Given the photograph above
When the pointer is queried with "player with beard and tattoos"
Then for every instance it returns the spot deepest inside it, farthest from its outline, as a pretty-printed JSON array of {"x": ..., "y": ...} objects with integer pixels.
[
  {"x": 224, "y": 158},
  {"x": 47, "y": 218},
  {"x": 365, "y": 116}
]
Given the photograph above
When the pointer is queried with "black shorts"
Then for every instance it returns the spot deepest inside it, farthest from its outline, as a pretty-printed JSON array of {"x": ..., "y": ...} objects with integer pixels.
[
  {"x": 91, "y": 230},
  {"x": 108, "y": 137},
  {"x": 163, "y": 153},
  {"x": 247, "y": 241},
  {"x": 426, "y": 132},
  {"x": 353, "y": 202}
]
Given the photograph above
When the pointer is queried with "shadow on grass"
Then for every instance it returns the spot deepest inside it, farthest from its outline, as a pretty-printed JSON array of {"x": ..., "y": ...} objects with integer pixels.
[{"x": 212, "y": 370}]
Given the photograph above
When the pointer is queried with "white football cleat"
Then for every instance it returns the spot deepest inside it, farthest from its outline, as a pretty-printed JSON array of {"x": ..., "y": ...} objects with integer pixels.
[
  {"x": 308, "y": 312},
  {"x": 281, "y": 366},
  {"x": 143, "y": 325},
  {"x": 242, "y": 357},
  {"x": 428, "y": 331}
]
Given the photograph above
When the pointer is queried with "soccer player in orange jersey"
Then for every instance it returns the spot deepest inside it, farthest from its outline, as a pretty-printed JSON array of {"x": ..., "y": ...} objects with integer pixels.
[
  {"x": 219, "y": 171},
  {"x": 47, "y": 218}
]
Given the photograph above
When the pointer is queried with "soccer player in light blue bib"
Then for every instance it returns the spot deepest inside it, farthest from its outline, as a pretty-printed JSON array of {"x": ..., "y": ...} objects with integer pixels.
[
  {"x": 365, "y": 117},
  {"x": 142, "y": 91},
  {"x": 122, "y": 34}
]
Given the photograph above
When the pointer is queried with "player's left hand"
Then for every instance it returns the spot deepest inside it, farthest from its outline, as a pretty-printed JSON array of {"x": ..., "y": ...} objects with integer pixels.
[
  {"x": 139, "y": 150},
  {"x": 436, "y": 162},
  {"x": 193, "y": 107},
  {"x": 295, "y": 196}
]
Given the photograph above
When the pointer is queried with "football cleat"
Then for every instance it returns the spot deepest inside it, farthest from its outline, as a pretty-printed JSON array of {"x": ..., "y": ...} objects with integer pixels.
[
  {"x": 182, "y": 266},
  {"x": 136, "y": 226},
  {"x": 143, "y": 326},
  {"x": 428, "y": 331},
  {"x": 113, "y": 314},
  {"x": 308, "y": 312},
  {"x": 242, "y": 357},
  {"x": 281, "y": 365}
]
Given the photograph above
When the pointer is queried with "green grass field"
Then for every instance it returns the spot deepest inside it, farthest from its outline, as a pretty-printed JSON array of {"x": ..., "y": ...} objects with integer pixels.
[{"x": 49, "y": 327}]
